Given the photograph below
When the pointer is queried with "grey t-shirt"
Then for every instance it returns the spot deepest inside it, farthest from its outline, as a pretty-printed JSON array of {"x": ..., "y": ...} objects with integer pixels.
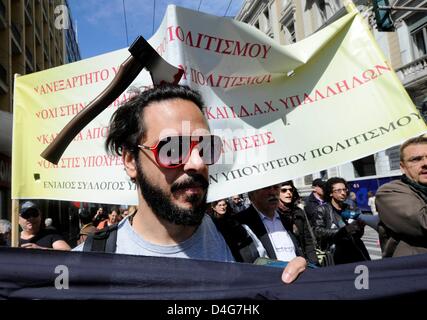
[{"x": 205, "y": 244}]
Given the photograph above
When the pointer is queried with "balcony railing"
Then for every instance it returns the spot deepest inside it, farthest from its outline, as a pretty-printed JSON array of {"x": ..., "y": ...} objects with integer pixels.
[
  {"x": 413, "y": 71},
  {"x": 29, "y": 55},
  {"x": 2, "y": 15},
  {"x": 3, "y": 74},
  {"x": 44, "y": 14},
  {"x": 29, "y": 11},
  {"x": 37, "y": 29},
  {"x": 16, "y": 33},
  {"x": 2, "y": 10}
]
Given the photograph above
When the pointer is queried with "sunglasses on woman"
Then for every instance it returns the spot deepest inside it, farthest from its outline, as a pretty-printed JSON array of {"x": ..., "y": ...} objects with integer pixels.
[{"x": 174, "y": 151}]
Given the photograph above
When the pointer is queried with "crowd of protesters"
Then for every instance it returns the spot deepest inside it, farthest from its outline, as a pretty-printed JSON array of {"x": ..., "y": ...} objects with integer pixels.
[
  {"x": 315, "y": 225},
  {"x": 272, "y": 222}
]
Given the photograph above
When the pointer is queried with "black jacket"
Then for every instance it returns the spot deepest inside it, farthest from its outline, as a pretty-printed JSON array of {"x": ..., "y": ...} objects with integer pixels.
[
  {"x": 251, "y": 218},
  {"x": 345, "y": 247},
  {"x": 297, "y": 217},
  {"x": 310, "y": 207},
  {"x": 237, "y": 238}
]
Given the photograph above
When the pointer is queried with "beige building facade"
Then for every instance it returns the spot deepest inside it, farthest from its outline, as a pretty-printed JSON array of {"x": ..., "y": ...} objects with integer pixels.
[{"x": 34, "y": 35}]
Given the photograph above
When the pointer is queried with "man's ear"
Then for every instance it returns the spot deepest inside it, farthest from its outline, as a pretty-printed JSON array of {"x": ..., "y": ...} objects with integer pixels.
[
  {"x": 130, "y": 163},
  {"x": 402, "y": 167}
]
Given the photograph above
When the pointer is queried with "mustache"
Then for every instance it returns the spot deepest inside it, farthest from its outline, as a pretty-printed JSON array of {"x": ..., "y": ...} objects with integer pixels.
[
  {"x": 273, "y": 198},
  {"x": 196, "y": 180}
]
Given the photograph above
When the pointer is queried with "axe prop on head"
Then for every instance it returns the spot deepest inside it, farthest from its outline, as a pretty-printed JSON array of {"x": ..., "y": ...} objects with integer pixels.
[{"x": 142, "y": 56}]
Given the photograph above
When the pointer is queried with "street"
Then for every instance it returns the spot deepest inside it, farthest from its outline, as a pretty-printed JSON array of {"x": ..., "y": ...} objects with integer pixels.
[{"x": 370, "y": 239}]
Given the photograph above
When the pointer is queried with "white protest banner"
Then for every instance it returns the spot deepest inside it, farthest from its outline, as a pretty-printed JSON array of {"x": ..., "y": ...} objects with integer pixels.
[{"x": 282, "y": 111}]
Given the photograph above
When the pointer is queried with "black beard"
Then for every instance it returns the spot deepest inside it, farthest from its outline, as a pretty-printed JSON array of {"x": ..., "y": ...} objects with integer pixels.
[{"x": 163, "y": 207}]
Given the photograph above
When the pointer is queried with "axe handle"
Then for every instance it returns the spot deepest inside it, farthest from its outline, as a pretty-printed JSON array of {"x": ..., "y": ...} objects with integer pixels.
[{"x": 127, "y": 72}]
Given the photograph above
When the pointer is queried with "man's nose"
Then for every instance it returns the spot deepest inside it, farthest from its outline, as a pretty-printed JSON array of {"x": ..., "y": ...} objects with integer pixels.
[{"x": 195, "y": 162}]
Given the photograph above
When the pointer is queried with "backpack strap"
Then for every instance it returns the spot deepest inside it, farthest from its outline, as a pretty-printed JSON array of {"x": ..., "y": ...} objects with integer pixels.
[{"x": 103, "y": 240}]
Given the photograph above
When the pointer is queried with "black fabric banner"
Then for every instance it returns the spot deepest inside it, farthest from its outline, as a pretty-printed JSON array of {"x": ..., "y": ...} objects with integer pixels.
[{"x": 42, "y": 274}]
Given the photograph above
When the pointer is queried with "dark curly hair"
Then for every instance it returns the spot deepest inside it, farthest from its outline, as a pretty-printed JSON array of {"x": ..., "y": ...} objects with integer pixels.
[
  {"x": 127, "y": 125},
  {"x": 329, "y": 185}
]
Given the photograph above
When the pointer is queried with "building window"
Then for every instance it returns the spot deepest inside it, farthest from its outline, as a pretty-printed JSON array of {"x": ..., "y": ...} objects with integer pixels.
[
  {"x": 327, "y": 8},
  {"x": 287, "y": 22},
  {"x": 324, "y": 174},
  {"x": 393, "y": 157},
  {"x": 308, "y": 180},
  {"x": 285, "y": 3},
  {"x": 419, "y": 40},
  {"x": 322, "y": 10},
  {"x": 288, "y": 30},
  {"x": 267, "y": 22},
  {"x": 364, "y": 167},
  {"x": 266, "y": 14}
]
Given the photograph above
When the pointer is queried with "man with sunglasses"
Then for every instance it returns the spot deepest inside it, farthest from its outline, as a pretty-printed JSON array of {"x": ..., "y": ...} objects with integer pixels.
[
  {"x": 402, "y": 204},
  {"x": 166, "y": 147},
  {"x": 335, "y": 233},
  {"x": 34, "y": 235}
]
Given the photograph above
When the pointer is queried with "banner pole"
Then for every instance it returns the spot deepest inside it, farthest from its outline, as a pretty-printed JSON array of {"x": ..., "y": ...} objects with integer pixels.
[
  {"x": 15, "y": 223},
  {"x": 14, "y": 241}
]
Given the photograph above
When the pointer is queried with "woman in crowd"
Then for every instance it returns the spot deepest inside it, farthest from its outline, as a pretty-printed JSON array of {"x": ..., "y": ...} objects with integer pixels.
[
  {"x": 296, "y": 220},
  {"x": 113, "y": 218},
  {"x": 219, "y": 208}
]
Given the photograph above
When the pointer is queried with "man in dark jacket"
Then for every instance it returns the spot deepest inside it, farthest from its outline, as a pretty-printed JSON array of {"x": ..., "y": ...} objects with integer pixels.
[
  {"x": 263, "y": 220},
  {"x": 315, "y": 199},
  {"x": 402, "y": 204},
  {"x": 334, "y": 233}
]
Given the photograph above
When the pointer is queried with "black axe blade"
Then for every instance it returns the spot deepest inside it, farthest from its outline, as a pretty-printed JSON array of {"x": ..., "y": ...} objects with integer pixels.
[{"x": 142, "y": 56}]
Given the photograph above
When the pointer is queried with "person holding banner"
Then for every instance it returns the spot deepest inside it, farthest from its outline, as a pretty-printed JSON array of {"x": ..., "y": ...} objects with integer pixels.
[
  {"x": 166, "y": 147},
  {"x": 402, "y": 204}
]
